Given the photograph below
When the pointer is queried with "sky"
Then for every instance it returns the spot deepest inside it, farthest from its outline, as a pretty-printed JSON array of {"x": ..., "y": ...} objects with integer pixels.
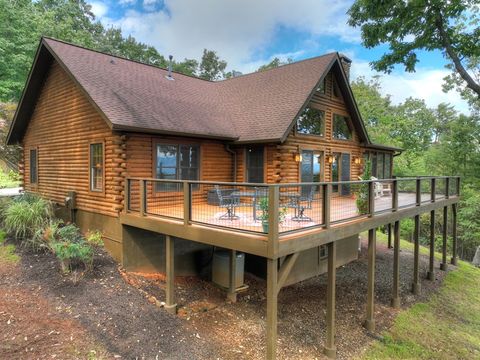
[{"x": 250, "y": 33}]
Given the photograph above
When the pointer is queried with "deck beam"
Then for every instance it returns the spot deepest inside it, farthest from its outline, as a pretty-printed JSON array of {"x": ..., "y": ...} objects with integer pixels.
[
  {"x": 395, "y": 302},
  {"x": 170, "y": 304},
  {"x": 372, "y": 244},
  {"x": 416, "y": 256},
  {"x": 330, "y": 349}
]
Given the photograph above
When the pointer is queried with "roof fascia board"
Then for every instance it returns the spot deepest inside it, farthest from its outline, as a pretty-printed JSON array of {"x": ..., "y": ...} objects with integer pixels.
[{"x": 26, "y": 89}]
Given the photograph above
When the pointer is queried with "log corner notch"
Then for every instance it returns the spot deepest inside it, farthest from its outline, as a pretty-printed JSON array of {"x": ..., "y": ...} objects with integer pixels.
[{"x": 119, "y": 167}]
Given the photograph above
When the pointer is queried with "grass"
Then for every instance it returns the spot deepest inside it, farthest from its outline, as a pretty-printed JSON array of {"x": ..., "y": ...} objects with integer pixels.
[
  {"x": 7, "y": 251},
  {"x": 445, "y": 327}
]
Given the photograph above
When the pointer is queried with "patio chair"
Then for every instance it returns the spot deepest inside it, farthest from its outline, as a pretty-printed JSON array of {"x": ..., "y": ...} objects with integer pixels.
[
  {"x": 381, "y": 189},
  {"x": 228, "y": 202},
  {"x": 301, "y": 203}
]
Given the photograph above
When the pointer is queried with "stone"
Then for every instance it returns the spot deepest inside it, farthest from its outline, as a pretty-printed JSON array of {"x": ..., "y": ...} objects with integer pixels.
[{"x": 476, "y": 258}]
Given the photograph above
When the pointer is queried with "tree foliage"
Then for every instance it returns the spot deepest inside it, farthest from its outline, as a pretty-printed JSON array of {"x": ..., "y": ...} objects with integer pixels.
[{"x": 409, "y": 27}]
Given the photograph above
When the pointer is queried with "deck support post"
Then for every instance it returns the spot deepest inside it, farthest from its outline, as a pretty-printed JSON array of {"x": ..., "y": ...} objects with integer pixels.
[
  {"x": 370, "y": 320},
  {"x": 416, "y": 257},
  {"x": 272, "y": 303},
  {"x": 330, "y": 349},
  {"x": 454, "y": 260},
  {"x": 232, "y": 293},
  {"x": 395, "y": 302},
  {"x": 444, "y": 265},
  {"x": 431, "y": 264},
  {"x": 170, "y": 304},
  {"x": 389, "y": 230}
]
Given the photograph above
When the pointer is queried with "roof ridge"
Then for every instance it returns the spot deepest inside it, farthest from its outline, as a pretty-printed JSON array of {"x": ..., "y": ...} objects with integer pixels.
[
  {"x": 124, "y": 58},
  {"x": 279, "y": 67}
]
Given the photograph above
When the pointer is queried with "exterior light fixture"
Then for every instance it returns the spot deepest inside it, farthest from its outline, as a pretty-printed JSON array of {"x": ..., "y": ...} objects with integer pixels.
[
  {"x": 330, "y": 159},
  {"x": 298, "y": 157},
  {"x": 357, "y": 160}
]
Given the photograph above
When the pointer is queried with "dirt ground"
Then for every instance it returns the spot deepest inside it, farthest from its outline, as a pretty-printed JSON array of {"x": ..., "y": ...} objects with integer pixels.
[{"x": 110, "y": 314}]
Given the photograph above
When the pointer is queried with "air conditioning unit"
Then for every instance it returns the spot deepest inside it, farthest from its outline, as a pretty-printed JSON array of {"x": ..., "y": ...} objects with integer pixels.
[{"x": 221, "y": 269}]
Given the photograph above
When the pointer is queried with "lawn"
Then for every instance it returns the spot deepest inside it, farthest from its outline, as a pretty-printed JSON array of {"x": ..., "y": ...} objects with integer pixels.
[{"x": 445, "y": 327}]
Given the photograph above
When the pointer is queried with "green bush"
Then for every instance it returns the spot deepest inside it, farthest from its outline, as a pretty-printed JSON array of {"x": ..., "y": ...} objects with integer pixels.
[
  {"x": 361, "y": 190},
  {"x": 72, "y": 254},
  {"x": 70, "y": 233},
  {"x": 27, "y": 214},
  {"x": 95, "y": 238},
  {"x": 9, "y": 179}
]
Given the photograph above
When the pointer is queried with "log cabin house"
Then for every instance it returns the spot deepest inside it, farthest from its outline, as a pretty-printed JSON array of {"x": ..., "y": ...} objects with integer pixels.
[{"x": 172, "y": 167}]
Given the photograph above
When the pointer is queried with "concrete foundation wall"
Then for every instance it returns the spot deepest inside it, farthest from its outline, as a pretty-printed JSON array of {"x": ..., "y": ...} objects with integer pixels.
[{"x": 309, "y": 262}]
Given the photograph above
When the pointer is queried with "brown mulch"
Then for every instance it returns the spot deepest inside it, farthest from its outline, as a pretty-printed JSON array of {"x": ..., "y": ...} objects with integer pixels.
[{"x": 119, "y": 314}]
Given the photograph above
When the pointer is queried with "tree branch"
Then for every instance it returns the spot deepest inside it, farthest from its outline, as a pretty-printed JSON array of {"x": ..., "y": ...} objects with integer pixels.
[{"x": 455, "y": 59}]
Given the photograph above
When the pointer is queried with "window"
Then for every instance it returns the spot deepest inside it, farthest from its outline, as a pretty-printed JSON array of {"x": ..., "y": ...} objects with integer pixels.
[
  {"x": 380, "y": 164},
  {"x": 255, "y": 165},
  {"x": 322, "y": 86},
  {"x": 33, "y": 166},
  {"x": 176, "y": 162},
  {"x": 336, "y": 90},
  {"x": 96, "y": 167},
  {"x": 323, "y": 252},
  {"x": 341, "y": 128},
  {"x": 311, "y": 122},
  {"x": 388, "y": 166}
]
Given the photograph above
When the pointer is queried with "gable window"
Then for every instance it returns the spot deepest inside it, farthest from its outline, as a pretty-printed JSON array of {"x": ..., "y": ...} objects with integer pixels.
[
  {"x": 336, "y": 89},
  {"x": 33, "y": 166},
  {"x": 341, "y": 128},
  {"x": 311, "y": 122},
  {"x": 322, "y": 86},
  {"x": 176, "y": 162},
  {"x": 255, "y": 164},
  {"x": 96, "y": 167}
]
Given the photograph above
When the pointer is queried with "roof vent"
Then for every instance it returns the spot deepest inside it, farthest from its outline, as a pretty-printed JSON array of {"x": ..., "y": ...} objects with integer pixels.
[{"x": 169, "y": 76}]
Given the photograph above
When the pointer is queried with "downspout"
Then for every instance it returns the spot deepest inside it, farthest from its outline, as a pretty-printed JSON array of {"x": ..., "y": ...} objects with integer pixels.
[{"x": 234, "y": 155}]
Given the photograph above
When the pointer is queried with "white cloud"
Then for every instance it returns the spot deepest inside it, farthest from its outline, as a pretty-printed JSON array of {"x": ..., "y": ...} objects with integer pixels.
[
  {"x": 425, "y": 83},
  {"x": 127, "y": 2},
  {"x": 238, "y": 29},
  {"x": 99, "y": 9}
]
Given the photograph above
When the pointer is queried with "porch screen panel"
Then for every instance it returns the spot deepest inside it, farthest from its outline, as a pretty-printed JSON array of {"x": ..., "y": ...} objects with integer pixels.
[
  {"x": 255, "y": 165},
  {"x": 373, "y": 164},
  {"x": 345, "y": 174},
  {"x": 388, "y": 166},
  {"x": 380, "y": 164}
]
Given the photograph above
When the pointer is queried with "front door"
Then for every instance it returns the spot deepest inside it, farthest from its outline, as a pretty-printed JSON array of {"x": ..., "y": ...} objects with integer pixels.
[{"x": 311, "y": 168}]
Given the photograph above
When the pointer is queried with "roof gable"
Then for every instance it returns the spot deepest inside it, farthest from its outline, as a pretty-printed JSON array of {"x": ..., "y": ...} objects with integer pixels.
[{"x": 257, "y": 107}]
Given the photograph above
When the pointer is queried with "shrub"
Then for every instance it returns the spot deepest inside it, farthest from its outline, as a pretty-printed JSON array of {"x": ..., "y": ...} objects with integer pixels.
[
  {"x": 9, "y": 179},
  {"x": 94, "y": 238},
  {"x": 69, "y": 233},
  {"x": 361, "y": 191},
  {"x": 72, "y": 254},
  {"x": 27, "y": 214}
]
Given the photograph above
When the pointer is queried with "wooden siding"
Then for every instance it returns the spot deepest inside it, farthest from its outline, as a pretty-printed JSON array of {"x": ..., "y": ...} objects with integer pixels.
[
  {"x": 62, "y": 126},
  {"x": 283, "y": 167},
  {"x": 215, "y": 161}
]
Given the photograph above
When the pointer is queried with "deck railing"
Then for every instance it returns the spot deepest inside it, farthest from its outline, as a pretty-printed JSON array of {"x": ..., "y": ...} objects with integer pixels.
[{"x": 252, "y": 207}]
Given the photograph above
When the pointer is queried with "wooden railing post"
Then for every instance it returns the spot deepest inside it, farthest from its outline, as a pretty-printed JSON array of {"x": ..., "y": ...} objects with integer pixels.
[
  {"x": 327, "y": 192},
  {"x": 419, "y": 192},
  {"x": 273, "y": 200},
  {"x": 447, "y": 187},
  {"x": 458, "y": 185},
  {"x": 395, "y": 195},
  {"x": 371, "y": 198},
  {"x": 126, "y": 205},
  {"x": 187, "y": 202},
  {"x": 454, "y": 260},
  {"x": 432, "y": 190},
  {"x": 143, "y": 197}
]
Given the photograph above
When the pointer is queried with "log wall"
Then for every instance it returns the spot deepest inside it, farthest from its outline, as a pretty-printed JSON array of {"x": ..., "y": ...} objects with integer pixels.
[{"x": 62, "y": 126}]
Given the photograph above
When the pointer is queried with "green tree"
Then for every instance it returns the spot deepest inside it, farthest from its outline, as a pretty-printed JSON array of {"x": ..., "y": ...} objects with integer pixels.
[
  {"x": 9, "y": 154},
  {"x": 276, "y": 62},
  {"x": 211, "y": 67},
  {"x": 409, "y": 27}
]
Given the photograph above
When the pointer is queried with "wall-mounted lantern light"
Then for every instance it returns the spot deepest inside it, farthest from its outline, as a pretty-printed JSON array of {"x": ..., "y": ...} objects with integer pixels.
[
  {"x": 357, "y": 160},
  {"x": 330, "y": 159}
]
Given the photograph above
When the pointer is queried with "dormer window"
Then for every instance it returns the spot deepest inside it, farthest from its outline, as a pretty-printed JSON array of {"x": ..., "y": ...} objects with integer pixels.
[
  {"x": 311, "y": 122},
  {"x": 341, "y": 128}
]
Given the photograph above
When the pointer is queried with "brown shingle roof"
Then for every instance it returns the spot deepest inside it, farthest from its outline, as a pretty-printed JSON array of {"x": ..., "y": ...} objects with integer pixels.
[{"x": 254, "y": 107}]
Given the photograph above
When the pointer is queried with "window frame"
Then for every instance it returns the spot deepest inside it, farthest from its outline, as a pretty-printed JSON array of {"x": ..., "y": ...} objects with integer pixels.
[
  {"x": 35, "y": 183},
  {"x": 348, "y": 122},
  {"x": 323, "y": 128},
  {"x": 90, "y": 173},
  {"x": 178, "y": 167}
]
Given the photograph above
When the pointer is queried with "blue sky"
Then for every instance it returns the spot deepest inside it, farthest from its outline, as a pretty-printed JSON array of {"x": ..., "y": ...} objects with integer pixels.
[{"x": 249, "y": 33}]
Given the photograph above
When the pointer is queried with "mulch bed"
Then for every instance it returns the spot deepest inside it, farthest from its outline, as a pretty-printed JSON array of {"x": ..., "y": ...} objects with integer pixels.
[{"x": 121, "y": 312}]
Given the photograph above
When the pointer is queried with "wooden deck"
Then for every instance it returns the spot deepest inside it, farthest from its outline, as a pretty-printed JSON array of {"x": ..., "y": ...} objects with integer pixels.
[{"x": 342, "y": 209}]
